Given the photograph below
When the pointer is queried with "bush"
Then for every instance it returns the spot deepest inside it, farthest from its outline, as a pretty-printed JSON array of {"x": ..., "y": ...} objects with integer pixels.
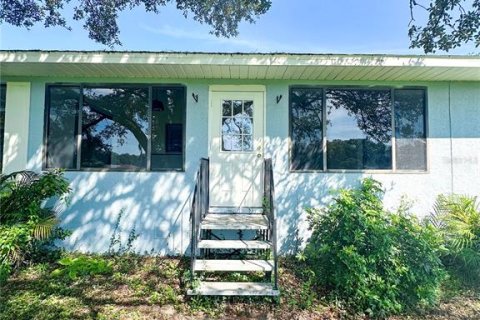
[
  {"x": 375, "y": 262},
  {"x": 457, "y": 219},
  {"x": 82, "y": 266},
  {"x": 28, "y": 227}
]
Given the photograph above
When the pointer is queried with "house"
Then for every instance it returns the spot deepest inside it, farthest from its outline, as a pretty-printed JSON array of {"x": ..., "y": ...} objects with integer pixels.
[{"x": 130, "y": 129}]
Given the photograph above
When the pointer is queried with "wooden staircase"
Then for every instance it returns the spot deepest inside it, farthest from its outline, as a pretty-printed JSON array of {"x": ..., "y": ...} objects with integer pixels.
[{"x": 206, "y": 247}]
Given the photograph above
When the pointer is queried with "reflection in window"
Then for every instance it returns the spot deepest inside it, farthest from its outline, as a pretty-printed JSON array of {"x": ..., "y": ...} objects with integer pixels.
[
  {"x": 114, "y": 128},
  {"x": 237, "y": 125},
  {"x": 359, "y": 129},
  {"x": 168, "y": 116},
  {"x": 306, "y": 105},
  {"x": 3, "y": 92},
  {"x": 62, "y": 127},
  {"x": 410, "y": 133}
]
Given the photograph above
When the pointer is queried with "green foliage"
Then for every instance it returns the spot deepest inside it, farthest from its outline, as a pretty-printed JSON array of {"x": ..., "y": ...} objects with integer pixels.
[
  {"x": 450, "y": 24},
  {"x": 28, "y": 228},
  {"x": 82, "y": 266},
  {"x": 376, "y": 262},
  {"x": 116, "y": 247},
  {"x": 100, "y": 17},
  {"x": 457, "y": 219}
]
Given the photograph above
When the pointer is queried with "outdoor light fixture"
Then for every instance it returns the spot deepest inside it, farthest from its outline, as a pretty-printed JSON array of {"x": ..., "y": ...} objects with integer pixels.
[{"x": 195, "y": 97}]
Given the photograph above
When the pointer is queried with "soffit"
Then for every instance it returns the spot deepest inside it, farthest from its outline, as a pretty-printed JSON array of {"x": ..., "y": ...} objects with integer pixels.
[{"x": 278, "y": 66}]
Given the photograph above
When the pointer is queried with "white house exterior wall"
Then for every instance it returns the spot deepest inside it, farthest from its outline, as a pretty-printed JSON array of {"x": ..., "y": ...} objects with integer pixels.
[{"x": 157, "y": 204}]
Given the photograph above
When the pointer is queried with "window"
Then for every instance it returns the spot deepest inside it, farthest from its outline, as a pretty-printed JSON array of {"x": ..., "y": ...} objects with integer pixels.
[
  {"x": 111, "y": 129},
  {"x": 3, "y": 93},
  {"x": 237, "y": 125},
  {"x": 168, "y": 119},
  {"x": 63, "y": 123},
  {"x": 306, "y": 128},
  {"x": 354, "y": 129},
  {"x": 410, "y": 132},
  {"x": 359, "y": 129}
]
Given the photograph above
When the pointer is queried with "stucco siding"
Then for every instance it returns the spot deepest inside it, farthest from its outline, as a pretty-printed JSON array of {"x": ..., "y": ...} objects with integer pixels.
[{"x": 157, "y": 204}]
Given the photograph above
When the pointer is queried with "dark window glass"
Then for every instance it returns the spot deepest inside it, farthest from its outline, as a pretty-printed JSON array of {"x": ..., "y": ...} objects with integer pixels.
[
  {"x": 168, "y": 119},
  {"x": 114, "y": 127},
  {"x": 306, "y": 128},
  {"x": 410, "y": 133},
  {"x": 359, "y": 129},
  {"x": 62, "y": 127},
  {"x": 3, "y": 93}
]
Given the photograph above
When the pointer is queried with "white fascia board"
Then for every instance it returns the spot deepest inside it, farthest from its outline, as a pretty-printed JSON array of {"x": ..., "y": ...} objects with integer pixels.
[{"x": 237, "y": 59}]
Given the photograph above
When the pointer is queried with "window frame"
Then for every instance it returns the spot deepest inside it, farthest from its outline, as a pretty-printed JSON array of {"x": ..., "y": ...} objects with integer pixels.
[
  {"x": 324, "y": 89},
  {"x": 83, "y": 85}
]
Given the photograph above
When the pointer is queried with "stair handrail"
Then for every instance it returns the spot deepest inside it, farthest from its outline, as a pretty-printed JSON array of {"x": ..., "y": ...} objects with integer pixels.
[
  {"x": 199, "y": 208},
  {"x": 269, "y": 211}
]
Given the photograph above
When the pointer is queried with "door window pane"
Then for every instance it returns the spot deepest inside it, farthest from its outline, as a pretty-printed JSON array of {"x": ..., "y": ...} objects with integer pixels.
[
  {"x": 410, "y": 133},
  {"x": 237, "y": 126},
  {"x": 114, "y": 128},
  {"x": 359, "y": 129},
  {"x": 3, "y": 93},
  {"x": 306, "y": 125},
  {"x": 62, "y": 126},
  {"x": 168, "y": 119}
]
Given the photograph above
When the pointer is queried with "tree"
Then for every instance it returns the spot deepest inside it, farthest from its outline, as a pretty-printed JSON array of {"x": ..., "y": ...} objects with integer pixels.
[
  {"x": 450, "y": 24},
  {"x": 100, "y": 16}
]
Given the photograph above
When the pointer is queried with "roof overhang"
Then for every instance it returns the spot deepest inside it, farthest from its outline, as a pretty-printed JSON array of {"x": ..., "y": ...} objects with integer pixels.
[{"x": 282, "y": 66}]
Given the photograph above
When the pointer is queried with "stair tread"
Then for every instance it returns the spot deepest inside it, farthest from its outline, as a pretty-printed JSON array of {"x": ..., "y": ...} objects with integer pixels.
[
  {"x": 248, "y": 210},
  {"x": 234, "y": 289},
  {"x": 234, "y": 244},
  {"x": 218, "y": 221},
  {"x": 233, "y": 265}
]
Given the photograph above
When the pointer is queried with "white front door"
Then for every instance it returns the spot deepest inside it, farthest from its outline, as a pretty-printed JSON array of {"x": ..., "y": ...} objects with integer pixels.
[{"x": 236, "y": 130}]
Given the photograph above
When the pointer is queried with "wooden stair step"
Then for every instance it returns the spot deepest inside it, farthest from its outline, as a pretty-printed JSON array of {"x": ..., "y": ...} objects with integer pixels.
[
  {"x": 234, "y": 289},
  {"x": 235, "y": 210},
  {"x": 218, "y": 221},
  {"x": 233, "y": 265},
  {"x": 234, "y": 244}
]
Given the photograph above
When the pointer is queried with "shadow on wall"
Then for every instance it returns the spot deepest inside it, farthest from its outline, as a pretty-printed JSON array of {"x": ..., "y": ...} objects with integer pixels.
[
  {"x": 10, "y": 153},
  {"x": 296, "y": 191},
  {"x": 155, "y": 204}
]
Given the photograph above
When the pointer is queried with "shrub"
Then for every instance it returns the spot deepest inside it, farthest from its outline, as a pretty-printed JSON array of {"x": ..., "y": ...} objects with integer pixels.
[
  {"x": 457, "y": 219},
  {"x": 28, "y": 227},
  {"x": 374, "y": 261},
  {"x": 82, "y": 266}
]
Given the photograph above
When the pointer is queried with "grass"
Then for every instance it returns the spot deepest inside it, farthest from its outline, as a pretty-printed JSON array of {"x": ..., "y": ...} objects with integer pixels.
[{"x": 141, "y": 287}]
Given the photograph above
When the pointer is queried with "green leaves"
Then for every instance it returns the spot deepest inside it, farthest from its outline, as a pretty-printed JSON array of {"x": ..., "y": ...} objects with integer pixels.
[
  {"x": 82, "y": 266},
  {"x": 457, "y": 220},
  {"x": 27, "y": 226},
  {"x": 376, "y": 262},
  {"x": 450, "y": 23},
  {"x": 100, "y": 16}
]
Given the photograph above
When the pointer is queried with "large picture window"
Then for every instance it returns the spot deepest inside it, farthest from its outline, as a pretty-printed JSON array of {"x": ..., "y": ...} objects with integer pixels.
[
  {"x": 115, "y": 127},
  {"x": 357, "y": 129}
]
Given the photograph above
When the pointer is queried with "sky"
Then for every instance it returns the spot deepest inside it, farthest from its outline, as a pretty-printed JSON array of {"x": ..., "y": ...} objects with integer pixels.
[{"x": 302, "y": 26}]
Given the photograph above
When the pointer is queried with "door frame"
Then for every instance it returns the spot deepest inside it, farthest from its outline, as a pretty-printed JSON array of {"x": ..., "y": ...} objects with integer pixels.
[{"x": 236, "y": 88}]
